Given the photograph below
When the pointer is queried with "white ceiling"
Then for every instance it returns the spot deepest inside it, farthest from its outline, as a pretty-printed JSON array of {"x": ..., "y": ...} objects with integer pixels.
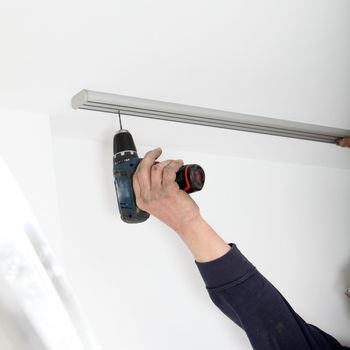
[{"x": 285, "y": 59}]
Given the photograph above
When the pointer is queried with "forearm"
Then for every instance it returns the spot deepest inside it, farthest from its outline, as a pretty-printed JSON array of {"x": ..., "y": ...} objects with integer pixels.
[{"x": 203, "y": 242}]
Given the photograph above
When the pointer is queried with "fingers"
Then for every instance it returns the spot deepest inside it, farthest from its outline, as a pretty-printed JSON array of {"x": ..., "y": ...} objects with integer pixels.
[
  {"x": 340, "y": 142},
  {"x": 169, "y": 173},
  {"x": 150, "y": 178},
  {"x": 143, "y": 171},
  {"x": 344, "y": 142},
  {"x": 157, "y": 174}
]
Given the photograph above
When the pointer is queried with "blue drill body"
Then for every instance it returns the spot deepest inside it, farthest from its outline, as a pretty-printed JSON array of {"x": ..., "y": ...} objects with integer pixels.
[{"x": 125, "y": 162}]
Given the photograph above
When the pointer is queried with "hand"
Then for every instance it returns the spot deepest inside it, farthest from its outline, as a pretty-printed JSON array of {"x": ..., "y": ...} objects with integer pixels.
[
  {"x": 344, "y": 142},
  {"x": 157, "y": 193}
]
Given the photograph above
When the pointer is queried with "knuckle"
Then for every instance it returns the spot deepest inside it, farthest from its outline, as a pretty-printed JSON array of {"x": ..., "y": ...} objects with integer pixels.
[
  {"x": 147, "y": 198},
  {"x": 169, "y": 187},
  {"x": 168, "y": 169}
]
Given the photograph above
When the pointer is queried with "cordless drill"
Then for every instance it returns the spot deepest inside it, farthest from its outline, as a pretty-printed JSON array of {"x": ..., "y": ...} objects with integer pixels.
[{"x": 190, "y": 177}]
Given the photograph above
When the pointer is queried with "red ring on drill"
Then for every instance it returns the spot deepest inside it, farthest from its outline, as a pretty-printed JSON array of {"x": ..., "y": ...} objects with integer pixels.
[{"x": 186, "y": 179}]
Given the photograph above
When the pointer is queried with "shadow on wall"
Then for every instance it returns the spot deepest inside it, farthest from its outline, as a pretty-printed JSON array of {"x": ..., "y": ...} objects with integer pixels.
[{"x": 345, "y": 276}]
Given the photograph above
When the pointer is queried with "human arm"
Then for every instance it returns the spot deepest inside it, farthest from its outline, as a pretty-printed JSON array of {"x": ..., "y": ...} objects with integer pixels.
[
  {"x": 157, "y": 193},
  {"x": 235, "y": 286}
]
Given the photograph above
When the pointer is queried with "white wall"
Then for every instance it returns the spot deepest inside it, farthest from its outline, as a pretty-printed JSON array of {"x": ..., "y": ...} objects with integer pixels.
[
  {"x": 6, "y": 343},
  {"x": 286, "y": 59},
  {"x": 139, "y": 285},
  {"x": 26, "y": 147}
]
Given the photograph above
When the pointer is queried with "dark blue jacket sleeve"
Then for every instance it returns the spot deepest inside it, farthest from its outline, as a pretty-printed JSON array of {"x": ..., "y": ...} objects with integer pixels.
[{"x": 243, "y": 294}]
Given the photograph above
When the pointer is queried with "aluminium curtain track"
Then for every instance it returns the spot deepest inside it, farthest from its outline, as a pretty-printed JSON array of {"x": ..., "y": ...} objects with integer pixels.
[{"x": 134, "y": 106}]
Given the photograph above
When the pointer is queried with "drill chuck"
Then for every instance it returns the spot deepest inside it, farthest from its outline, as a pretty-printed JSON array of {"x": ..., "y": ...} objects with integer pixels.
[{"x": 123, "y": 141}]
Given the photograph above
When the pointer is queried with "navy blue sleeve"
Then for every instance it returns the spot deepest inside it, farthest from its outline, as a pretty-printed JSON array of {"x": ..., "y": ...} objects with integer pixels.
[{"x": 244, "y": 295}]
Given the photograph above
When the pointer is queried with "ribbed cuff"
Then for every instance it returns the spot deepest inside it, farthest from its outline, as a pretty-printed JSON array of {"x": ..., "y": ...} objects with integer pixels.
[{"x": 230, "y": 267}]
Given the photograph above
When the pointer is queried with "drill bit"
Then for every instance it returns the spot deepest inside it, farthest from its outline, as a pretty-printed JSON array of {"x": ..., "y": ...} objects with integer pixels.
[{"x": 120, "y": 121}]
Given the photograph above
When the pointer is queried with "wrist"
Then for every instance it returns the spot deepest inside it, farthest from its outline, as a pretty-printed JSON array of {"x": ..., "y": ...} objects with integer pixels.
[
  {"x": 190, "y": 226},
  {"x": 201, "y": 239}
]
